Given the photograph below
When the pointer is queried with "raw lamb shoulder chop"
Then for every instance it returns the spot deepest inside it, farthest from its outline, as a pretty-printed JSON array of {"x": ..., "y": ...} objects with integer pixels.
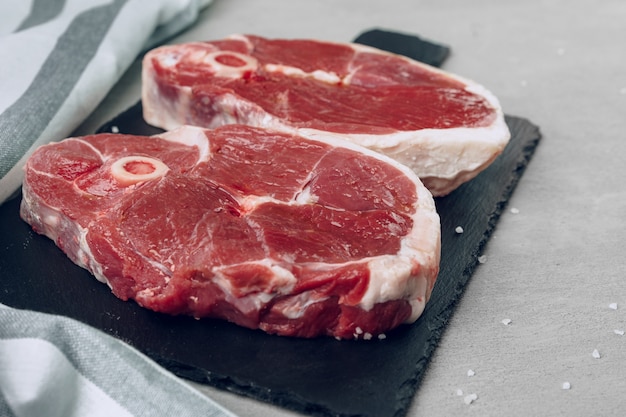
[
  {"x": 269, "y": 230},
  {"x": 446, "y": 128}
]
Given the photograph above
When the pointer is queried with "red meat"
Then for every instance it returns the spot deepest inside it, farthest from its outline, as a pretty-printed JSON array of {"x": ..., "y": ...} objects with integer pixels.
[
  {"x": 266, "y": 229},
  {"x": 447, "y": 129}
]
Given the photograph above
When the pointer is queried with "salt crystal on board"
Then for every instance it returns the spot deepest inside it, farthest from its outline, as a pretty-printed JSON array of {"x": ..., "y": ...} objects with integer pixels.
[
  {"x": 566, "y": 385},
  {"x": 458, "y": 230},
  {"x": 482, "y": 259},
  {"x": 470, "y": 398},
  {"x": 595, "y": 354},
  {"x": 471, "y": 373},
  {"x": 506, "y": 322},
  {"x": 613, "y": 306},
  {"x": 515, "y": 210},
  {"x": 618, "y": 332}
]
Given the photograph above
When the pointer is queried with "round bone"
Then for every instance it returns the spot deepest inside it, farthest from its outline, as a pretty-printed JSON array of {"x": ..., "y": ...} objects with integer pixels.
[
  {"x": 130, "y": 170},
  {"x": 230, "y": 64}
]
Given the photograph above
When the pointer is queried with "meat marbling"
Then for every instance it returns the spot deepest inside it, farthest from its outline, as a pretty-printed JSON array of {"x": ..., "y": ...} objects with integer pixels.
[
  {"x": 269, "y": 230},
  {"x": 444, "y": 127}
]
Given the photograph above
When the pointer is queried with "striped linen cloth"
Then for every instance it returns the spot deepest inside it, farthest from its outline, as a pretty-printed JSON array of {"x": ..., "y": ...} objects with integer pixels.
[
  {"x": 57, "y": 367},
  {"x": 61, "y": 57}
]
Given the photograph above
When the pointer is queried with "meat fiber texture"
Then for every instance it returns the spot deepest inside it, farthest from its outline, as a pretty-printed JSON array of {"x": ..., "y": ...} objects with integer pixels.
[
  {"x": 446, "y": 128},
  {"x": 297, "y": 237}
]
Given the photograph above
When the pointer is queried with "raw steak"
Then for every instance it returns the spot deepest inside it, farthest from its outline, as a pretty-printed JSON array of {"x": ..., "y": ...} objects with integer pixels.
[
  {"x": 269, "y": 230},
  {"x": 447, "y": 129}
]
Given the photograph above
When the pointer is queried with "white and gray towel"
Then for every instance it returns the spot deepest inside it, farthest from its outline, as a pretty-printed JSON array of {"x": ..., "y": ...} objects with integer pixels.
[{"x": 57, "y": 367}]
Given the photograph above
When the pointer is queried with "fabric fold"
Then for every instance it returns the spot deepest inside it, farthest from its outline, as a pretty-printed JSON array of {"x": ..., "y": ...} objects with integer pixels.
[{"x": 56, "y": 366}]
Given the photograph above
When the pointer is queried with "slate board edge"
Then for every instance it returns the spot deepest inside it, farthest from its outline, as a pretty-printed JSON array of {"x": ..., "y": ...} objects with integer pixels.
[
  {"x": 411, "y": 386},
  {"x": 522, "y": 164}
]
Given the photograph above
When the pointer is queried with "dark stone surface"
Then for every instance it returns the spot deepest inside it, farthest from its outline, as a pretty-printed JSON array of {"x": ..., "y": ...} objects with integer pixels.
[{"x": 321, "y": 376}]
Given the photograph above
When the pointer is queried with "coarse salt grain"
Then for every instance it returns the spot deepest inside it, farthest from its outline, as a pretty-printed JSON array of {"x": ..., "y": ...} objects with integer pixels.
[
  {"x": 566, "y": 385},
  {"x": 595, "y": 354},
  {"x": 506, "y": 322},
  {"x": 459, "y": 392},
  {"x": 482, "y": 259},
  {"x": 470, "y": 398},
  {"x": 515, "y": 210},
  {"x": 115, "y": 129},
  {"x": 470, "y": 372},
  {"x": 458, "y": 229},
  {"x": 613, "y": 306},
  {"x": 618, "y": 332}
]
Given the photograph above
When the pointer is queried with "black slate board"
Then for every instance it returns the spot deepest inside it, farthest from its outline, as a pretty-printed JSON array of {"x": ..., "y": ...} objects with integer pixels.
[
  {"x": 323, "y": 376},
  {"x": 405, "y": 44}
]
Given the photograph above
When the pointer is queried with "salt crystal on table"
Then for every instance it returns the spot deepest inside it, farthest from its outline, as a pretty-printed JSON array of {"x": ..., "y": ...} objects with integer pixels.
[
  {"x": 595, "y": 354},
  {"x": 566, "y": 385},
  {"x": 482, "y": 259},
  {"x": 506, "y": 322},
  {"x": 514, "y": 210},
  {"x": 458, "y": 230},
  {"x": 471, "y": 373},
  {"x": 470, "y": 398},
  {"x": 619, "y": 332},
  {"x": 459, "y": 392},
  {"x": 613, "y": 306}
]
